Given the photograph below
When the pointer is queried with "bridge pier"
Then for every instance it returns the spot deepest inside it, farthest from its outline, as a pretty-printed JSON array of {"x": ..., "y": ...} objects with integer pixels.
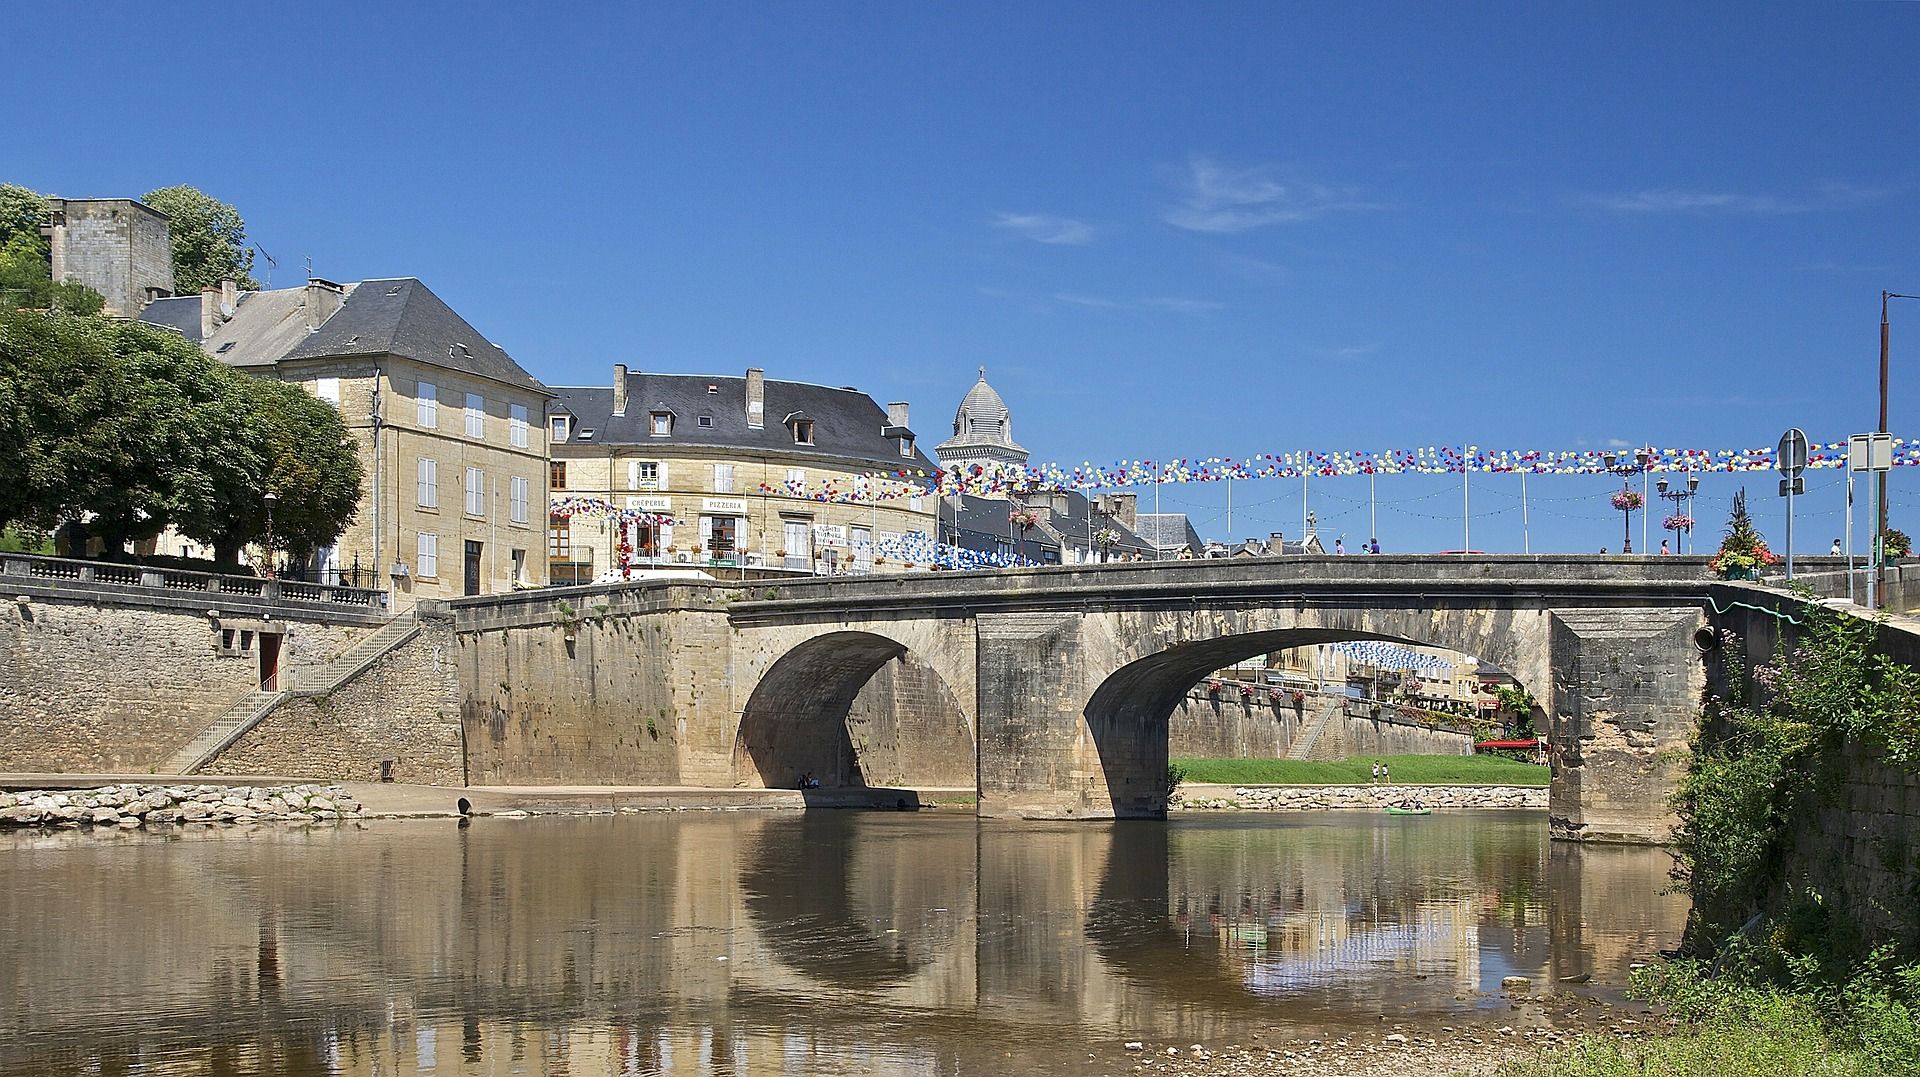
[
  {"x": 1627, "y": 685},
  {"x": 1034, "y": 758}
]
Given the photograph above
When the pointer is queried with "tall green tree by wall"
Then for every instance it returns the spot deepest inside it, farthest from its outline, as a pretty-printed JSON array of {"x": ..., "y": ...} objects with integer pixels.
[
  {"x": 132, "y": 429},
  {"x": 209, "y": 239}
]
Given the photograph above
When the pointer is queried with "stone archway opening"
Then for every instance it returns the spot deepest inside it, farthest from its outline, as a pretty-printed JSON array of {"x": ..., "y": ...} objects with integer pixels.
[
  {"x": 855, "y": 710},
  {"x": 1129, "y": 717}
]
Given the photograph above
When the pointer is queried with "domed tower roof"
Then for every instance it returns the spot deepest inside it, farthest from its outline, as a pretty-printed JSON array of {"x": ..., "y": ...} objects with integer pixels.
[{"x": 982, "y": 430}]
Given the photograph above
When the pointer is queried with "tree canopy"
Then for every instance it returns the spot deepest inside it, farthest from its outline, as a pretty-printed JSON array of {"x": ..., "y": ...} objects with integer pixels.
[
  {"x": 132, "y": 429},
  {"x": 209, "y": 239}
]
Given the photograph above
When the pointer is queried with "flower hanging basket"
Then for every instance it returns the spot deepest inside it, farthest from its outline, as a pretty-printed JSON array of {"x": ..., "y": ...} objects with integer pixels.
[{"x": 1627, "y": 500}]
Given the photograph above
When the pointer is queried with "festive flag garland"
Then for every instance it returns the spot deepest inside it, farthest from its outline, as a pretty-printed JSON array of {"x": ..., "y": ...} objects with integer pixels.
[
  {"x": 595, "y": 508},
  {"x": 991, "y": 480},
  {"x": 1383, "y": 655},
  {"x": 915, "y": 548}
]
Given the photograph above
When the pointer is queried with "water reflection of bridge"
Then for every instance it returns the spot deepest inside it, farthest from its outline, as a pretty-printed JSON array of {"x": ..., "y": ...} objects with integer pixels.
[{"x": 737, "y": 943}]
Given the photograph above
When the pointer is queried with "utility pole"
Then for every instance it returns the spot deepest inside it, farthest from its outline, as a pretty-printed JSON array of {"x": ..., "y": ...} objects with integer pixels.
[{"x": 1880, "y": 480}]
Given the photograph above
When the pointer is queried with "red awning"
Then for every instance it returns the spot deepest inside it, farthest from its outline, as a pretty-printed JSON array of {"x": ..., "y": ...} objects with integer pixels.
[{"x": 1491, "y": 744}]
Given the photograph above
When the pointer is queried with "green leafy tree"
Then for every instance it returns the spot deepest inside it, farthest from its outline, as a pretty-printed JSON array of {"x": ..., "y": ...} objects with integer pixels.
[
  {"x": 209, "y": 239},
  {"x": 22, "y": 212},
  {"x": 132, "y": 429}
]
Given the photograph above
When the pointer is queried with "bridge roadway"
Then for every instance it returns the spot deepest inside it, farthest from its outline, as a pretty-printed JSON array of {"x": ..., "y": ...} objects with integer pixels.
[{"x": 1051, "y": 688}]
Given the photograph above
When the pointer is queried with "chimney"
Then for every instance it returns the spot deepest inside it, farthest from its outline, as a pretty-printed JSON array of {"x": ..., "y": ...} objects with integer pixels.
[
  {"x": 756, "y": 398},
  {"x": 619, "y": 388},
  {"x": 1276, "y": 544},
  {"x": 897, "y": 414},
  {"x": 1123, "y": 508},
  {"x": 210, "y": 318},
  {"x": 322, "y": 299},
  {"x": 229, "y": 299}
]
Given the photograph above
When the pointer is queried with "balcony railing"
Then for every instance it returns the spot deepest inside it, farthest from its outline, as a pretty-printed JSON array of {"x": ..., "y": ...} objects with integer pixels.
[{"x": 174, "y": 580}]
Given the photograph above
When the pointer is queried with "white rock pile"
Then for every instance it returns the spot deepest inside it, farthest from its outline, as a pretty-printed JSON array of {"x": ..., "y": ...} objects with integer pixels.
[
  {"x": 131, "y": 806},
  {"x": 1341, "y": 797}
]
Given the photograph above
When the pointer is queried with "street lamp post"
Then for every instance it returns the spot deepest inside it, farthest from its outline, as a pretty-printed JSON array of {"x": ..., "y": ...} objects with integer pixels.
[
  {"x": 1678, "y": 496},
  {"x": 271, "y": 500},
  {"x": 1641, "y": 459}
]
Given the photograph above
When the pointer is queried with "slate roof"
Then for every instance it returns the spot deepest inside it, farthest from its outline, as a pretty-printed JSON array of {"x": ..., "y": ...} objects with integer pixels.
[
  {"x": 982, "y": 523},
  {"x": 397, "y": 316},
  {"x": 1168, "y": 530},
  {"x": 847, "y": 423},
  {"x": 181, "y": 312}
]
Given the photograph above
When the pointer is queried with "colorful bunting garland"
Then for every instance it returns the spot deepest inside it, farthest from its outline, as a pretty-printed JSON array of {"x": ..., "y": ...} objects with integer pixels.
[{"x": 982, "y": 479}]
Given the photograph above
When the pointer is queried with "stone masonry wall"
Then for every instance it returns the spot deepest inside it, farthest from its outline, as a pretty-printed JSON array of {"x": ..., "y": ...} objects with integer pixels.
[
  {"x": 627, "y": 694},
  {"x": 97, "y": 687},
  {"x": 406, "y": 706},
  {"x": 1230, "y": 727}
]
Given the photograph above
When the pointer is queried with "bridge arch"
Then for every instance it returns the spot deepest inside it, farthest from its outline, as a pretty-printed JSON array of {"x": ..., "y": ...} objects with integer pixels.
[
  {"x": 854, "y": 709},
  {"x": 1127, "y": 716}
]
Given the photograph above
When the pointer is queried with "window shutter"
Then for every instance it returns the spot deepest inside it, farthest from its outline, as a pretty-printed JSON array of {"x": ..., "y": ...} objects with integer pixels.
[
  {"x": 663, "y": 475},
  {"x": 666, "y": 536},
  {"x": 633, "y": 474},
  {"x": 706, "y": 531}
]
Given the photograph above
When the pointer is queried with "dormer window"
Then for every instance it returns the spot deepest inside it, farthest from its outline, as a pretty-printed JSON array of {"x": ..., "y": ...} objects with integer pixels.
[
  {"x": 906, "y": 446},
  {"x": 706, "y": 422},
  {"x": 558, "y": 426},
  {"x": 802, "y": 431},
  {"x": 662, "y": 424}
]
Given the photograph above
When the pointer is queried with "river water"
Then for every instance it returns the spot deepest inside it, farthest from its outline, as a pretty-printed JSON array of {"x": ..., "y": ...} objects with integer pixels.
[{"x": 774, "y": 943}]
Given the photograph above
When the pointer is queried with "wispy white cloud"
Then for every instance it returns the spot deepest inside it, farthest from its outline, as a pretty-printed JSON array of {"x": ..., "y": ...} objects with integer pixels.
[
  {"x": 1346, "y": 352},
  {"x": 1043, "y": 228},
  {"x": 1825, "y": 196},
  {"x": 1172, "y": 304},
  {"x": 1216, "y": 198}
]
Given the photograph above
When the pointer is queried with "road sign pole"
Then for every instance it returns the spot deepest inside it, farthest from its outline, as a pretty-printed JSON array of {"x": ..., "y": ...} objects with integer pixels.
[
  {"x": 1849, "y": 533},
  {"x": 1789, "y": 484}
]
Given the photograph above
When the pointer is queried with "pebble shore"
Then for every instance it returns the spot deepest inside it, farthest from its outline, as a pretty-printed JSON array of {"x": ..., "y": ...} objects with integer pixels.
[
  {"x": 1343, "y": 797},
  {"x": 130, "y": 806},
  {"x": 1538, "y": 1025}
]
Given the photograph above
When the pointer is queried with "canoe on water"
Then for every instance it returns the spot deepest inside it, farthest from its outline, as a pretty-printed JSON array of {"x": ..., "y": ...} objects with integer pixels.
[{"x": 1394, "y": 810}]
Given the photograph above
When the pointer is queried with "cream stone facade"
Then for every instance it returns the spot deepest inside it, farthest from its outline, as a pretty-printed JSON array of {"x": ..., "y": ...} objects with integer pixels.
[
  {"x": 450, "y": 430},
  {"x": 734, "y": 463}
]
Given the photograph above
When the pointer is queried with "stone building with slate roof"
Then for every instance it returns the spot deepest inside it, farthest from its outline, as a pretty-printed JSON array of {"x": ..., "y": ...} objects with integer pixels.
[
  {"x": 736, "y": 463},
  {"x": 449, "y": 427}
]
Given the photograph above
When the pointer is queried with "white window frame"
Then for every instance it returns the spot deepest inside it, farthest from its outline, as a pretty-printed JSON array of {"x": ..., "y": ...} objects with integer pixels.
[
  {"x": 638, "y": 477},
  {"x": 517, "y": 499},
  {"x": 517, "y": 425},
  {"x": 427, "y": 480},
  {"x": 476, "y": 415},
  {"x": 476, "y": 488},
  {"x": 559, "y": 427},
  {"x": 660, "y": 424},
  {"x": 798, "y": 476},
  {"x": 426, "y": 555},
  {"x": 906, "y": 446},
  {"x": 723, "y": 478},
  {"x": 327, "y": 389},
  {"x": 426, "y": 406}
]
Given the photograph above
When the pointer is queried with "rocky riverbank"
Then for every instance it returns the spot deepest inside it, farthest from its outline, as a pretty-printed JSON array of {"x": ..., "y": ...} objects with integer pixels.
[
  {"x": 1193, "y": 797},
  {"x": 129, "y": 806},
  {"x": 1532, "y": 1027}
]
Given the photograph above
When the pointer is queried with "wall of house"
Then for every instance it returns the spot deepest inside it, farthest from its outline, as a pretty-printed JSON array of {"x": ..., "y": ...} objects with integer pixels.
[
  {"x": 689, "y": 491},
  {"x": 117, "y": 247},
  {"x": 405, "y": 442}
]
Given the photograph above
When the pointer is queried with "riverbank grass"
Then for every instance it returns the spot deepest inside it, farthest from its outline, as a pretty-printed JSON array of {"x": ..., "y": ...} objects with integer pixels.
[{"x": 1405, "y": 770}]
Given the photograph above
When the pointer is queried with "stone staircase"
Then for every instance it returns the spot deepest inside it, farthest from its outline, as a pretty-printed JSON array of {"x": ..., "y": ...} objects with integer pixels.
[
  {"x": 321, "y": 680},
  {"x": 1309, "y": 735}
]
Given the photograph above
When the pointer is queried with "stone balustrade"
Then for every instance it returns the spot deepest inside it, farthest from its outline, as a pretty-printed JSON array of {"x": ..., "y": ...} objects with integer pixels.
[{"x": 181, "y": 582}]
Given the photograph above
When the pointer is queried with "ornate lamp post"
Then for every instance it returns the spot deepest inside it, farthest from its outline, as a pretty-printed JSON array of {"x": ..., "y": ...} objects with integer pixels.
[
  {"x": 271, "y": 500},
  {"x": 1680, "y": 519},
  {"x": 1627, "y": 499}
]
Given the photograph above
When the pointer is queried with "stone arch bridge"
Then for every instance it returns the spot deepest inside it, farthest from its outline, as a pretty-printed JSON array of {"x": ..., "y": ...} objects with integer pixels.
[{"x": 1052, "y": 688}]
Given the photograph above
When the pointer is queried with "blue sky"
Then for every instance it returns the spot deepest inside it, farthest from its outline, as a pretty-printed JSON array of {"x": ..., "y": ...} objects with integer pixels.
[{"x": 1166, "y": 231}]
